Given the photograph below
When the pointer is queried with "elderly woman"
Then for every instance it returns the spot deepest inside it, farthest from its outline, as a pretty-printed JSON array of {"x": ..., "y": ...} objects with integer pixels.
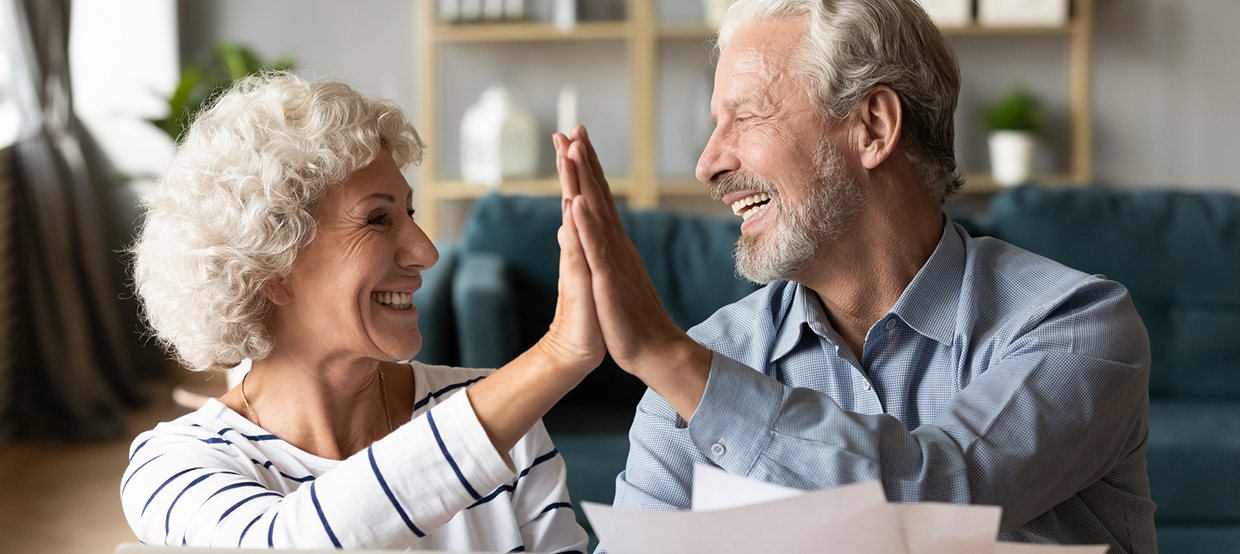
[{"x": 283, "y": 233}]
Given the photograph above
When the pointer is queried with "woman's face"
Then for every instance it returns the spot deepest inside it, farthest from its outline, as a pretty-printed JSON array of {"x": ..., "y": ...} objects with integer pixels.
[{"x": 348, "y": 294}]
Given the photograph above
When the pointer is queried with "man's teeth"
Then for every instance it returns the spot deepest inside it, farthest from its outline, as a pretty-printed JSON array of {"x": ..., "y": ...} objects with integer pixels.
[
  {"x": 398, "y": 300},
  {"x": 748, "y": 206}
]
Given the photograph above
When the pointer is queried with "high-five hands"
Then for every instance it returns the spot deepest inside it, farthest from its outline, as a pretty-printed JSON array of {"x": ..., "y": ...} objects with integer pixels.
[{"x": 634, "y": 326}]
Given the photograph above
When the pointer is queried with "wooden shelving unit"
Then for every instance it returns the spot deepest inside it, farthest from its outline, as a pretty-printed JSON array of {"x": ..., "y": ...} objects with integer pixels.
[{"x": 640, "y": 34}]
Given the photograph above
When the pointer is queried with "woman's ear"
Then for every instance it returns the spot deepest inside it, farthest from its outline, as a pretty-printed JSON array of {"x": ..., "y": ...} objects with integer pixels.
[
  {"x": 881, "y": 118},
  {"x": 277, "y": 291}
]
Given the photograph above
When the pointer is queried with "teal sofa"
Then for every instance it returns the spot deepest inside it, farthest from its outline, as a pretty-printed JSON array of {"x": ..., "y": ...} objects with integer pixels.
[{"x": 493, "y": 293}]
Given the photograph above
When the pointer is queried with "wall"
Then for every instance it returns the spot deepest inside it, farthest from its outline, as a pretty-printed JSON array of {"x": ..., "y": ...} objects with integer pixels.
[{"x": 1162, "y": 70}]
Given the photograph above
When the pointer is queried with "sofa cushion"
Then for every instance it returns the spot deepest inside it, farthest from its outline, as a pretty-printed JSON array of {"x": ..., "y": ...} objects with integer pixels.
[
  {"x": 1178, "y": 253},
  {"x": 1194, "y": 461}
]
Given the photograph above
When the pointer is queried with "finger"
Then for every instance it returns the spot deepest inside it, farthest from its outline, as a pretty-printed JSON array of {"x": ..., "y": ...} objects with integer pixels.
[
  {"x": 570, "y": 185},
  {"x": 589, "y": 186},
  {"x": 588, "y": 233}
]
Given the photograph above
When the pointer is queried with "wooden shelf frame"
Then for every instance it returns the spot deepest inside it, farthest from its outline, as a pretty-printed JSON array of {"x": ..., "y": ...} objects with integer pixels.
[{"x": 640, "y": 34}]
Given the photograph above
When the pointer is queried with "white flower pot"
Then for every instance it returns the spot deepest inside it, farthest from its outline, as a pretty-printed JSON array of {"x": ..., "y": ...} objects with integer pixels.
[{"x": 1011, "y": 156}]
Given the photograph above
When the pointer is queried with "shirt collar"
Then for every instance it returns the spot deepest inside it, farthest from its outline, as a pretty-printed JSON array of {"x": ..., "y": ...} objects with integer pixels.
[{"x": 927, "y": 305}]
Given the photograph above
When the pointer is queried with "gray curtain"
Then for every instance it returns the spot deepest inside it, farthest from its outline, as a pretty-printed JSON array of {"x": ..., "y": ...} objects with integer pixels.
[{"x": 74, "y": 375}]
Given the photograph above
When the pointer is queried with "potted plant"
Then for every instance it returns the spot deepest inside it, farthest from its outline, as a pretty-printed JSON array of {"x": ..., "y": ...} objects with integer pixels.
[
  {"x": 201, "y": 82},
  {"x": 1014, "y": 122}
]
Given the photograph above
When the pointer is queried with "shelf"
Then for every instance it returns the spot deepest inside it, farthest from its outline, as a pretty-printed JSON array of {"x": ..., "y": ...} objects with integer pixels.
[
  {"x": 699, "y": 30},
  {"x": 518, "y": 32},
  {"x": 977, "y": 29},
  {"x": 458, "y": 190}
]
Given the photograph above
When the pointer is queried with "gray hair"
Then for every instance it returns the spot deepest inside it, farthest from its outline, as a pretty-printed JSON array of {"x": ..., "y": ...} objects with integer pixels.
[
  {"x": 855, "y": 45},
  {"x": 235, "y": 207}
]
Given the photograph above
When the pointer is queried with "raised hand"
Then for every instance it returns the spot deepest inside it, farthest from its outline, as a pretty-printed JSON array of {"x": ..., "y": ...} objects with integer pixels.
[{"x": 636, "y": 329}]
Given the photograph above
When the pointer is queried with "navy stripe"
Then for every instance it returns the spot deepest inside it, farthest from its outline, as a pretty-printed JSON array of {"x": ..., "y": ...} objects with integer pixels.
[
  {"x": 555, "y": 506},
  {"x": 501, "y": 489},
  {"x": 238, "y": 505},
  {"x": 247, "y": 529},
  {"x": 267, "y": 465},
  {"x": 254, "y": 438},
  {"x": 512, "y": 488},
  {"x": 537, "y": 461},
  {"x": 215, "y": 440},
  {"x": 135, "y": 472},
  {"x": 235, "y": 486},
  {"x": 315, "y": 498},
  {"x": 168, "y": 516},
  {"x": 391, "y": 497},
  {"x": 441, "y": 392},
  {"x": 271, "y": 531},
  {"x": 444, "y": 448},
  {"x": 139, "y": 447},
  {"x": 161, "y": 487},
  {"x": 518, "y": 549}
]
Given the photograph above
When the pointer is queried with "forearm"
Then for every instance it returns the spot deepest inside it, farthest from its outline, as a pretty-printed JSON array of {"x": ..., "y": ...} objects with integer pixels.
[
  {"x": 511, "y": 400},
  {"x": 677, "y": 369}
]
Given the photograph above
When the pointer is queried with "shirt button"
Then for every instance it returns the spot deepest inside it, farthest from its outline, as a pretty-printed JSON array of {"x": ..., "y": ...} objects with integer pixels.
[
  {"x": 866, "y": 385},
  {"x": 891, "y": 324},
  {"x": 718, "y": 449}
]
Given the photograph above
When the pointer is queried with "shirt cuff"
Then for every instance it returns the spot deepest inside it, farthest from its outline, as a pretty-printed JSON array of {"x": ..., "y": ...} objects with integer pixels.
[{"x": 732, "y": 424}]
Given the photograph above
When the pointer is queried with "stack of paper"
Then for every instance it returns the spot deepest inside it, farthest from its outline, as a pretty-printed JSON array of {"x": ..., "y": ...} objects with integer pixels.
[{"x": 733, "y": 514}]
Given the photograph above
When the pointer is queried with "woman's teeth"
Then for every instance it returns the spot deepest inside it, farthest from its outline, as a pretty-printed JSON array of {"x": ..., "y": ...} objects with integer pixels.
[
  {"x": 747, "y": 207},
  {"x": 397, "y": 300}
]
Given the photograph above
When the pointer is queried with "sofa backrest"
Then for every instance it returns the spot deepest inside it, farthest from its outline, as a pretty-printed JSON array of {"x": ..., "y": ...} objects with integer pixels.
[
  {"x": 689, "y": 258},
  {"x": 1177, "y": 252}
]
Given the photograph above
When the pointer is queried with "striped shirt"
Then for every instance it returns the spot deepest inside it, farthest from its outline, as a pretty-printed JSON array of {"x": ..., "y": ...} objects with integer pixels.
[
  {"x": 212, "y": 478},
  {"x": 999, "y": 377}
]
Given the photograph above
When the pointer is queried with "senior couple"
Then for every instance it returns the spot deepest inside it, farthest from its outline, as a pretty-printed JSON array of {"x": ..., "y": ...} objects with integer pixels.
[{"x": 887, "y": 344}]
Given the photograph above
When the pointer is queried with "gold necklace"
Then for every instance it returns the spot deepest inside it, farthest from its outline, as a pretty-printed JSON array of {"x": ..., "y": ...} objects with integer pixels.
[{"x": 382, "y": 393}]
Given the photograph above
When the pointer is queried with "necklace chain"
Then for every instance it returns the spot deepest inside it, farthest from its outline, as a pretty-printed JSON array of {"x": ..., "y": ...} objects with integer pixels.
[{"x": 382, "y": 393}]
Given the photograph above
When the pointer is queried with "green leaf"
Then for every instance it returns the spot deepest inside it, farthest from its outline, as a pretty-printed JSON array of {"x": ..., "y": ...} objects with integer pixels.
[{"x": 1015, "y": 111}]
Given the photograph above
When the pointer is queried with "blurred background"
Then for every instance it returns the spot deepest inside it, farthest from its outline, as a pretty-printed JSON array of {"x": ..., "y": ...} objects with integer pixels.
[{"x": 1133, "y": 95}]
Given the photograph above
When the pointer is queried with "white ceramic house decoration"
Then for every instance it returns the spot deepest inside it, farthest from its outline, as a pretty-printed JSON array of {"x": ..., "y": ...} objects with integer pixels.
[
  {"x": 1016, "y": 13},
  {"x": 499, "y": 140},
  {"x": 949, "y": 13}
]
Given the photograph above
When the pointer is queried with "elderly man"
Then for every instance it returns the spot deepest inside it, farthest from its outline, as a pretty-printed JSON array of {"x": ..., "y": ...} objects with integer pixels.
[{"x": 888, "y": 343}]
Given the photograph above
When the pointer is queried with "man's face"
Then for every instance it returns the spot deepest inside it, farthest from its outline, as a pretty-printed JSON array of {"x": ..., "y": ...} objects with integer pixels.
[{"x": 773, "y": 157}]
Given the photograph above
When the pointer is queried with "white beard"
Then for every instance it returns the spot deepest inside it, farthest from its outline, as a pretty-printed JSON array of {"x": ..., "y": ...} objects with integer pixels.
[{"x": 832, "y": 200}]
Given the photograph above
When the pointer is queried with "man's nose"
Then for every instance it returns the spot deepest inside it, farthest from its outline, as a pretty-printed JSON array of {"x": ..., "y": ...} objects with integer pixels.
[{"x": 717, "y": 159}]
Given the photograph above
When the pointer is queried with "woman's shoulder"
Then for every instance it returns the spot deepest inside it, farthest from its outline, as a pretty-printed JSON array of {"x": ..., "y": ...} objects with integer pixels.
[{"x": 443, "y": 380}]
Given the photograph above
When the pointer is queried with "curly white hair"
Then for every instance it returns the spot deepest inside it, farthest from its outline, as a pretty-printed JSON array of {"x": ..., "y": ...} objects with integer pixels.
[{"x": 236, "y": 205}]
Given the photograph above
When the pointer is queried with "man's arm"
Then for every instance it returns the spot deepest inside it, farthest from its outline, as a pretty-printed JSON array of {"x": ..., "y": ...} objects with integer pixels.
[{"x": 1060, "y": 406}]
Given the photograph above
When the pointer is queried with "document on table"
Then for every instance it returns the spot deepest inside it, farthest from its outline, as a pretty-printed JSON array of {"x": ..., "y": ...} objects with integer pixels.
[{"x": 736, "y": 514}]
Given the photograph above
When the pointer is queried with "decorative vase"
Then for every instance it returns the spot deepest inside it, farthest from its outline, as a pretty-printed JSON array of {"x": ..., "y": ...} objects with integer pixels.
[
  {"x": 1011, "y": 156},
  {"x": 1033, "y": 13},
  {"x": 949, "y": 13},
  {"x": 499, "y": 140},
  {"x": 714, "y": 11}
]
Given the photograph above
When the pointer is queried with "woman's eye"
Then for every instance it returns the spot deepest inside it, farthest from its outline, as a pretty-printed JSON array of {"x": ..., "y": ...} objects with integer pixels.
[
  {"x": 377, "y": 220},
  {"x": 410, "y": 212}
]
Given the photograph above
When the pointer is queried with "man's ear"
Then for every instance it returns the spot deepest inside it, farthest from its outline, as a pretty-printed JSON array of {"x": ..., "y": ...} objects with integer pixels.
[
  {"x": 879, "y": 120},
  {"x": 277, "y": 291}
]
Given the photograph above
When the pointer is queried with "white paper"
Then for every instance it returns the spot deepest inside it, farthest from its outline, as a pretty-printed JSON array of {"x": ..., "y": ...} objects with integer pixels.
[
  {"x": 716, "y": 489},
  {"x": 846, "y": 520},
  {"x": 1022, "y": 548},
  {"x": 937, "y": 528}
]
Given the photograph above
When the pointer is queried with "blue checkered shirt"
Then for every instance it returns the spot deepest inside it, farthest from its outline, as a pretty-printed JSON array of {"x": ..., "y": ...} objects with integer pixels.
[{"x": 999, "y": 377}]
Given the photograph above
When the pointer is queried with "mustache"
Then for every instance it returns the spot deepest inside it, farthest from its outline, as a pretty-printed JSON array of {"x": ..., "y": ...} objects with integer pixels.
[{"x": 738, "y": 181}]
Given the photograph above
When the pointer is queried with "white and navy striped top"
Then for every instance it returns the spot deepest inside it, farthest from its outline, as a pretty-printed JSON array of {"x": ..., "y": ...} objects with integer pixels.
[{"x": 213, "y": 478}]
